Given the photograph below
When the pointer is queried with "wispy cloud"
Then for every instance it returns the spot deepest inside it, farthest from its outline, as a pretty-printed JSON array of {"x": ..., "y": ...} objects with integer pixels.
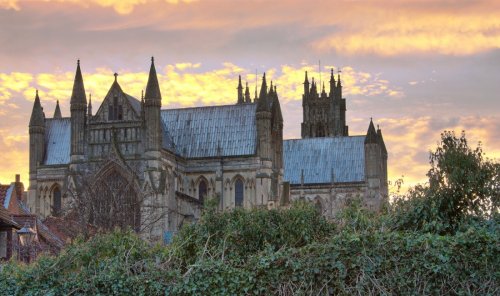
[{"x": 120, "y": 6}]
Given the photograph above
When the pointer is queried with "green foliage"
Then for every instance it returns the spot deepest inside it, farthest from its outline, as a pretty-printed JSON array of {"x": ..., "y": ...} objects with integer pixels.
[
  {"x": 462, "y": 185},
  {"x": 361, "y": 257},
  {"x": 240, "y": 233}
]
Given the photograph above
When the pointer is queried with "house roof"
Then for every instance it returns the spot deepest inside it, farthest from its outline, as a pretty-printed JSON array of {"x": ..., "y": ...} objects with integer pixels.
[
  {"x": 6, "y": 220},
  {"x": 318, "y": 158},
  {"x": 5, "y": 194},
  {"x": 58, "y": 140},
  {"x": 211, "y": 131}
]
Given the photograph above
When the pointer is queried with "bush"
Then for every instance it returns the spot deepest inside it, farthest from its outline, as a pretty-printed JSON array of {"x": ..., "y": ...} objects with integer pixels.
[
  {"x": 279, "y": 252},
  {"x": 462, "y": 186}
]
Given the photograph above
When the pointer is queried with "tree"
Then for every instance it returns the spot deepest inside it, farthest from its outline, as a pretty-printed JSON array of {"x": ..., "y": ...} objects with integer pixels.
[{"x": 462, "y": 184}]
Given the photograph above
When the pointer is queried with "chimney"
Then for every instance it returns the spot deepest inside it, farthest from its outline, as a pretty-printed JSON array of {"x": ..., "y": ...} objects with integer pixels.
[{"x": 19, "y": 187}]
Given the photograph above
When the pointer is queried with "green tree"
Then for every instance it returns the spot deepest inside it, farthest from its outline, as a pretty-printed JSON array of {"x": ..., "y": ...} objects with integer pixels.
[{"x": 462, "y": 185}]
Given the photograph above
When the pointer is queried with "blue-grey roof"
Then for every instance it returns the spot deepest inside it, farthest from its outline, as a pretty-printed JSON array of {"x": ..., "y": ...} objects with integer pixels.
[
  {"x": 135, "y": 103},
  {"x": 211, "y": 131},
  {"x": 318, "y": 157},
  {"x": 58, "y": 139}
]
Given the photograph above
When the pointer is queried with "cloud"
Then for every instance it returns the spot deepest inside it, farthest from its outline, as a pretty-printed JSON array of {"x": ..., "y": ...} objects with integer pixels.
[
  {"x": 120, "y": 6},
  {"x": 416, "y": 30},
  {"x": 410, "y": 139}
]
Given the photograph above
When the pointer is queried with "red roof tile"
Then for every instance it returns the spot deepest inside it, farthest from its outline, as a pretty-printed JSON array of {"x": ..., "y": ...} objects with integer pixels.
[{"x": 3, "y": 193}]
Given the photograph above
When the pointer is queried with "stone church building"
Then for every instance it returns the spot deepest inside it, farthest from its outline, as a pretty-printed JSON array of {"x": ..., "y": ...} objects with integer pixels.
[{"x": 132, "y": 163}]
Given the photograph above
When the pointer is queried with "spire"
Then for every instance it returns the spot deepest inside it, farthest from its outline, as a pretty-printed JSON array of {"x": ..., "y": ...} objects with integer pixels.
[
  {"x": 313, "y": 87},
  {"x": 271, "y": 89},
  {"x": 332, "y": 84},
  {"x": 247, "y": 94},
  {"x": 263, "y": 104},
  {"x": 371, "y": 135},
  {"x": 381, "y": 140},
  {"x": 306, "y": 86},
  {"x": 339, "y": 84},
  {"x": 263, "y": 87},
  {"x": 57, "y": 112},
  {"x": 153, "y": 87},
  {"x": 240, "y": 91},
  {"x": 37, "y": 117},
  {"x": 78, "y": 96},
  {"x": 323, "y": 92},
  {"x": 89, "y": 108}
]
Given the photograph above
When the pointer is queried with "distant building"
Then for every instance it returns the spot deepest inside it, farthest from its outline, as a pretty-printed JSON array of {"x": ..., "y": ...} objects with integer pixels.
[
  {"x": 151, "y": 169},
  {"x": 13, "y": 216},
  {"x": 327, "y": 166}
]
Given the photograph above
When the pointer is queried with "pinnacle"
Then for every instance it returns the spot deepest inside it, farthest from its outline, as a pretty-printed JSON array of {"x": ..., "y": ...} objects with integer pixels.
[
  {"x": 37, "y": 117},
  {"x": 153, "y": 87},
  {"x": 78, "y": 95},
  {"x": 57, "y": 111}
]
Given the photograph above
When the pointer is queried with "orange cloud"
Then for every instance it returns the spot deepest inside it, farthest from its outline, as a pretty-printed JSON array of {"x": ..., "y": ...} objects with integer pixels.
[
  {"x": 120, "y": 6},
  {"x": 410, "y": 139},
  {"x": 403, "y": 31}
]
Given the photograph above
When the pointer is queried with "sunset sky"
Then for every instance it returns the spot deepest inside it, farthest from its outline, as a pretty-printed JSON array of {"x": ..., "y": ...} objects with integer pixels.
[{"x": 417, "y": 67}]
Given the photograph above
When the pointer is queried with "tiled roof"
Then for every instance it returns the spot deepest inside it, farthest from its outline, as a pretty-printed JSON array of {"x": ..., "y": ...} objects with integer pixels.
[
  {"x": 135, "y": 103},
  {"x": 3, "y": 194},
  {"x": 319, "y": 157},
  {"x": 6, "y": 219},
  {"x": 211, "y": 131},
  {"x": 58, "y": 140}
]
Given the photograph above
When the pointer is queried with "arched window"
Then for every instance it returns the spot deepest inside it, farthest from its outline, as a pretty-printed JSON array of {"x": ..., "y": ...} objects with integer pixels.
[
  {"x": 238, "y": 193},
  {"x": 202, "y": 191},
  {"x": 57, "y": 202}
]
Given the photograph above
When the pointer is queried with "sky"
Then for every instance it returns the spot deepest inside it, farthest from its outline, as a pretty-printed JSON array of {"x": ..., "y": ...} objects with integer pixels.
[{"x": 416, "y": 67}]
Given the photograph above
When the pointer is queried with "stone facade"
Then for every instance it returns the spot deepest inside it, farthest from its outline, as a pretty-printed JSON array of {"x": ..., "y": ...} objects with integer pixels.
[
  {"x": 151, "y": 169},
  {"x": 334, "y": 167}
]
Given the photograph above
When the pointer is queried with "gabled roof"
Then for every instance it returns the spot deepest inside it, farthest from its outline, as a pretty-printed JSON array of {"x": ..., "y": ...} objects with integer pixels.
[
  {"x": 319, "y": 157},
  {"x": 6, "y": 219},
  {"x": 134, "y": 103},
  {"x": 211, "y": 131},
  {"x": 58, "y": 140},
  {"x": 6, "y": 195}
]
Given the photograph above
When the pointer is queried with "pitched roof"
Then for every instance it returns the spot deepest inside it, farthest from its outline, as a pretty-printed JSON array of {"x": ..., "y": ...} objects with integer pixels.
[
  {"x": 6, "y": 195},
  {"x": 3, "y": 194},
  {"x": 319, "y": 157},
  {"x": 211, "y": 131},
  {"x": 135, "y": 103},
  {"x": 58, "y": 140},
  {"x": 6, "y": 219}
]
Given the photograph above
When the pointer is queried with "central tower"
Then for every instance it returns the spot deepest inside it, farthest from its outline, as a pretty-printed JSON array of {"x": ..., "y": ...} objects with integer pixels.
[{"x": 323, "y": 114}]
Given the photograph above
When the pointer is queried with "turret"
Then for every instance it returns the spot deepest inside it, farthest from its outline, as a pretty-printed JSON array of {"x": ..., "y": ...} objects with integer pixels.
[
  {"x": 247, "y": 94},
  {"x": 78, "y": 107},
  {"x": 384, "y": 178},
  {"x": 263, "y": 115},
  {"x": 57, "y": 111},
  {"x": 37, "y": 136},
  {"x": 240, "y": 91},
  {"x": 37, "y": 151},
  {"x": 152, "y": 106},
  {"x": 373, "y": 161}
]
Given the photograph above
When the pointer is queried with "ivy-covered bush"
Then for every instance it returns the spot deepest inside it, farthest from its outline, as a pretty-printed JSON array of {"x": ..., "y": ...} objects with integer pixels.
[
  {"x": 241, "y": 233},
  {"x": 260, "y": 252}
]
